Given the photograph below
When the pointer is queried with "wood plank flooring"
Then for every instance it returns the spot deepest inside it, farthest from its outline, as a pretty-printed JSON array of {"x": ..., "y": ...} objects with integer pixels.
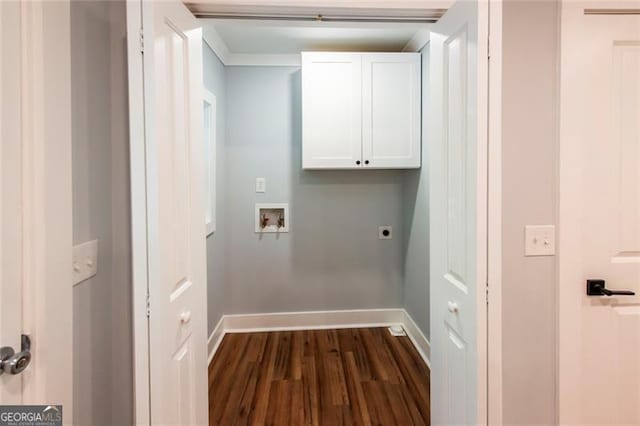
[{"x": 349, "y": 377}]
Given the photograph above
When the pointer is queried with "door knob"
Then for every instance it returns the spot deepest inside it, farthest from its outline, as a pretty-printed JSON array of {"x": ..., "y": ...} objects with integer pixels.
[
  {"x": 598, "y": 288},
  {"x": 15, "y": 363},
  {"x": 453, "y": 307},
  {"x": 185, "y": 317}
]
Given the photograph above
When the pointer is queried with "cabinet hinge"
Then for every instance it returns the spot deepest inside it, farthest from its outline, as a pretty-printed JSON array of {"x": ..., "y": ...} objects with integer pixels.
[
  {"x": 487, "y": 294},
  {"x": 148, "y": 306},
  {"x": 141, "y": 40}
]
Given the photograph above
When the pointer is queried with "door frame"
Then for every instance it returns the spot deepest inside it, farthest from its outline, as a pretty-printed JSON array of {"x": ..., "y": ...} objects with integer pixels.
[
  {"x": 490, "y": 329},
  {"x": 493, "y": 312},
  {"x": 139, "y": 248},
  {"x": 45, "y": 61}
]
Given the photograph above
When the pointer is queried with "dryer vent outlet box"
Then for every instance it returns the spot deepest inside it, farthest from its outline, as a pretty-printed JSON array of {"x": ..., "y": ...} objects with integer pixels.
[{"x": 272, "y": 218}]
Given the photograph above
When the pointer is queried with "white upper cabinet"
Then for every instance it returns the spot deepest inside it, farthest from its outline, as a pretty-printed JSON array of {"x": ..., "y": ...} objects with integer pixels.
[
  {"x": 360, "y": 110},
  {"x": 391, "y": 110},
  {"x": 331, "y": 110}
]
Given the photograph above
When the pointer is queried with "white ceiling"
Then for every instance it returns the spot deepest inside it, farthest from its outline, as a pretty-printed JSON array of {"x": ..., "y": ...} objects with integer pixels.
[{"x": 291, "y": 37}]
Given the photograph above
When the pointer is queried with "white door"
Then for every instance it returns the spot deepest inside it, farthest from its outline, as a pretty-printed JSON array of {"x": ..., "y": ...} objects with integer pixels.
[
  {"x": 391, "y": 110},
  {"x": 458, "y": 199},
  {"x": 599, "y": 372},
  {"x": 175, "y": 208},
  {"x": 35, "y": 205},
  {"x": 11, "y": 190},
  {"x": 331, "y": 110}
]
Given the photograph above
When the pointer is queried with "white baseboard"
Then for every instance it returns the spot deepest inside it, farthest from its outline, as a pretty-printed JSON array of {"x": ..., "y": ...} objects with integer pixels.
[
  {"x": 216, "y": 338},
  {"x": 319, "y": 320},
  {"x": 313, "y": 320},
  {"x": 418, "y": 339}
]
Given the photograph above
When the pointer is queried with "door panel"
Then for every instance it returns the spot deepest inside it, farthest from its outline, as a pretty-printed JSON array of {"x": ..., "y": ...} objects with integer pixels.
[
  {"x": 332, "y": 111},
  {"x": 454, "y": 106},
  {"x": 458, "y": 199},
  {"x": 455, "y": 357},
  {"x": 184, "y": 373},
  {"x": 175, "y": 182},
  {"x": 391, "y": 110},
  {"x": 600, "y": 215},
  {"x": 626, "y": 138}
]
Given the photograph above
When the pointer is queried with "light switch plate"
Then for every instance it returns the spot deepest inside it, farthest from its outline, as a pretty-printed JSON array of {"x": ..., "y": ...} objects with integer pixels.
[
  {"x": 540, "y": 240},
  {"x": 85, "y": 261},
  {"x": 261, "y": 185}
]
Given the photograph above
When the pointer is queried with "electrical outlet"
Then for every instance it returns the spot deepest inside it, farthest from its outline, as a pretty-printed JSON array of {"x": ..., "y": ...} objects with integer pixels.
[
  {"x": 85, "y": 261},
  {"x": 385, "y": 232}
]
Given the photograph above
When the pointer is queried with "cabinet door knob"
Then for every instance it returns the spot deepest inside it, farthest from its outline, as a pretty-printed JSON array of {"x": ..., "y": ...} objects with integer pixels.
[
  {"x": 358, "y": 162},
  {"x": 366, "y": 162}
]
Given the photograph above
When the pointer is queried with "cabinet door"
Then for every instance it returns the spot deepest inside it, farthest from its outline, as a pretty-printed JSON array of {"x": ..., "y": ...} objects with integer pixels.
[
  {"x": 331, "y": 110},
  {"x": 391, "y": 110}
]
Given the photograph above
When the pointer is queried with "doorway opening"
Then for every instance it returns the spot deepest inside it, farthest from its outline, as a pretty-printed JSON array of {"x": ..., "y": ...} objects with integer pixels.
[
  {"x": 344, "y": 171},
  {"x": 299, "y": 314}
]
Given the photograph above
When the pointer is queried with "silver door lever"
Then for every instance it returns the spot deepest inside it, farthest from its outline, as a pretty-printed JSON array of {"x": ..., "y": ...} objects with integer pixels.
[{"x": 15, "y": 363}]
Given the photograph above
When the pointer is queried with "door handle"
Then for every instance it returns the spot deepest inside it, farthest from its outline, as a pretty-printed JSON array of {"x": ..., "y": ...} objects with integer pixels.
[
  {"x": 15, "y": 363},
  {"x": 598, "y": 288}
]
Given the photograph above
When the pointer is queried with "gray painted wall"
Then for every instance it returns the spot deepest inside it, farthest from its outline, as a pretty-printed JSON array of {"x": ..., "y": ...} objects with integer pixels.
[
  {"x": 215, "y": 81},
  {"x": 416, "y": 208},
  {"x": 102, "y": 346},
  {"x": 332, "y": 258},
  {"x": 529, "y": 126}
]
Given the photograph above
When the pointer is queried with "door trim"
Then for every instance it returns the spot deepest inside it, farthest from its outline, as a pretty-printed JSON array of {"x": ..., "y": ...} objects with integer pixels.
[
  {"x": 494, "y": 218},
  {"x": 612, "y": 11},
  {"x": 482, "y": 215},
  {"x": 139, "y": 249}
]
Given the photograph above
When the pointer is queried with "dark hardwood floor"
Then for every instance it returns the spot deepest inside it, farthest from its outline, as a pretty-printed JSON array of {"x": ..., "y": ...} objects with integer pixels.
[{"x": 322, "y": 377}]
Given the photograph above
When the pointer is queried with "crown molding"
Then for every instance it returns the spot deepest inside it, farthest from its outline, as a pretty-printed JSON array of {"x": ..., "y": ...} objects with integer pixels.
[
  {"x": 255, "y": 60},
  {"x": 216, "y": 43},
  {"x": 418, "y": 41}
]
